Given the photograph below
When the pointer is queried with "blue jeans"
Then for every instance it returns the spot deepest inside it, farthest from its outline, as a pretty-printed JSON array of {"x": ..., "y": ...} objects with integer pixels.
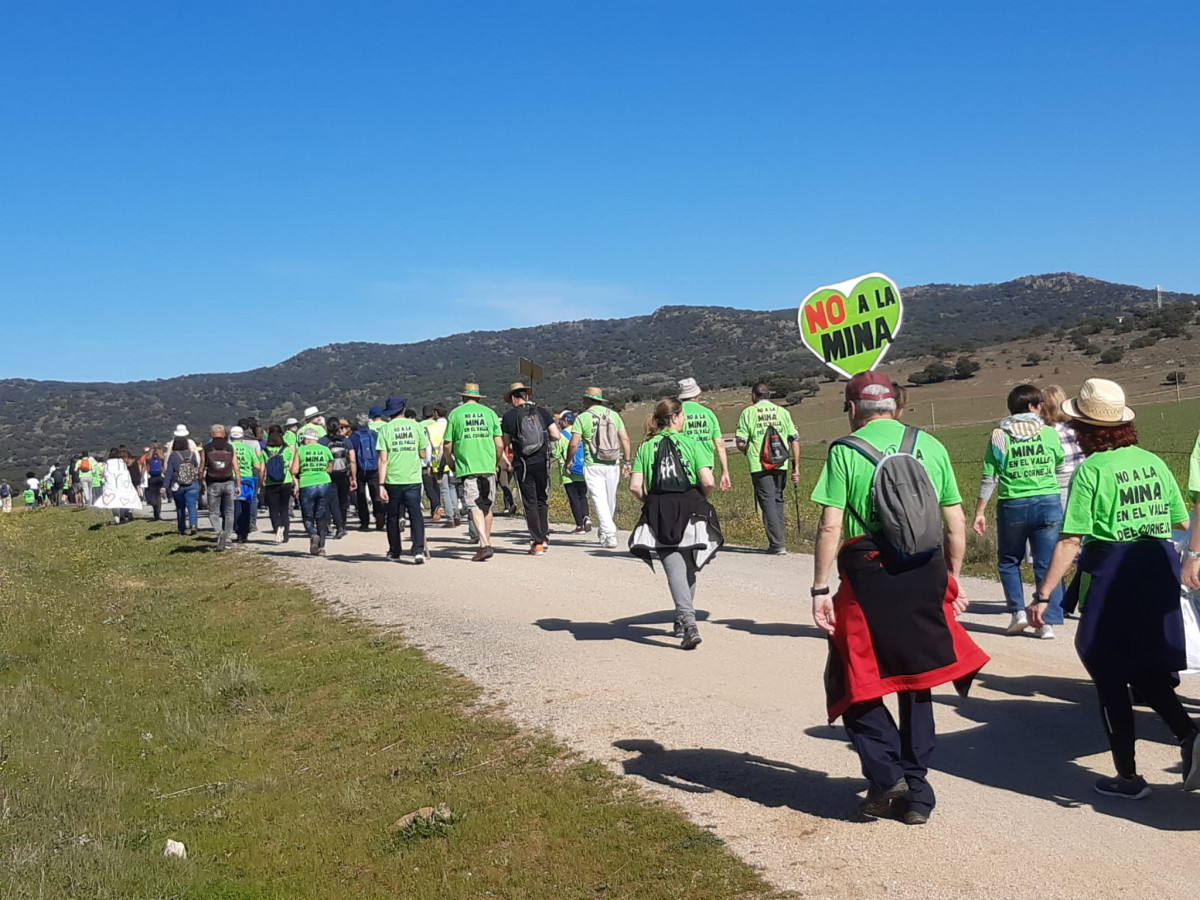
[
  {"x": 185, "y": 506},
  {"x": 314, "y": 507},
  {"x": 1038, "y": 521}
]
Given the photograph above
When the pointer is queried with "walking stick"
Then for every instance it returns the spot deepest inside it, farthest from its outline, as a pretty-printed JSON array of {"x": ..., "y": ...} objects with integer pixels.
[{"x": 796, "y": 497}]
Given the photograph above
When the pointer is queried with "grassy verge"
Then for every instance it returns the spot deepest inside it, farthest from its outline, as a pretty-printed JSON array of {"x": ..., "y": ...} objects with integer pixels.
[{"x": 151, "y": 690}]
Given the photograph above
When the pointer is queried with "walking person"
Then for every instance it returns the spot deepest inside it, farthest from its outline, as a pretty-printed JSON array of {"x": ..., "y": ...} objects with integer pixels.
[
  {"x": 87, "y": 468},
  {"x": 278, "y": 483},
  {"x": 765, "y": 433},
  {"x": 222, "y": 481},
  {"x": 435, "y": 433},
  {"x": 6, "y": 493},
  {"x": 402, "y": 444},
  {"x": 1123, "y": 507},
  {"x": 1021, "y": 460},
  {"x": 311, "y": 466},
  {"x": 156, "y": 468},
  {"x": 337, "y": 440},
  {"x": 119, "y": 497},
  {"x": 892, "y": 623},
  {"x": 183, "y": 478},
  {"x": 249, "y": 459},
  {"x": 673, "y": 477},
  {"x": 363, "y": 444},
  {"x": 474, "y": 446},
  {"x": 606, "y": 443},
  {"x": 702, "y": 425},
  {"x": 570, "y": 468},
  {"x": 529, "y": 432}
]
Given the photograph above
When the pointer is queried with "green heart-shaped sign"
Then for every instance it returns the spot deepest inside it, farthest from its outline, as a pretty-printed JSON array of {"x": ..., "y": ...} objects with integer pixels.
[{"x": 849, "y": 326}]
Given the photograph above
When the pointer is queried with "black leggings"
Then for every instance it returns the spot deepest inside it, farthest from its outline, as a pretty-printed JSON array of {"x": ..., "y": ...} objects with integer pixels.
[
  {"x": 1154, "y": 688},
  {"x": 577, "y": 497},
  {"x": 279, "y": 498}
]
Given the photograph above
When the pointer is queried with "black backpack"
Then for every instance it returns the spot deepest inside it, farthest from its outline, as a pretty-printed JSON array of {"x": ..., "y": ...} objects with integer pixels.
[
  {"x": 668, "y": 475},
  {"x": 774, "y": 450},
  {"x": 906, "y": 504},
  {"x": 531, "y": 431}
]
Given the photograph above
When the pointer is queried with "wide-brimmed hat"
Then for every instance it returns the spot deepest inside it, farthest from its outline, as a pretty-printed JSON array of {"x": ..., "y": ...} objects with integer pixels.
[
  {"x": 470, "y": 389},
  {"x": 291, "y": 420},
  {"x": 375, "y": 412},
  {"x": 181, "y": 431},
  {"x": 311, "y": 412},
  {"x": 594, "y": 393},
  {"x": 236, "y": 433},
  {"x": 395, "y": 406},
  {"x": 1100, "y": 402},
  {"x": 688, "y": 389},
  {"x": 513, "y": 388}
]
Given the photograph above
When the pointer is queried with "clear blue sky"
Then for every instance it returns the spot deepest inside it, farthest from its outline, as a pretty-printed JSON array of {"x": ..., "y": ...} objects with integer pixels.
[{"x": 216, "y": 186}]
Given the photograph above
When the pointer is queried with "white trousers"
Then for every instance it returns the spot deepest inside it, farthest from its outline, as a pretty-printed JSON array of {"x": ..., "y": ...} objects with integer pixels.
[{"x": 602, "y": 482}]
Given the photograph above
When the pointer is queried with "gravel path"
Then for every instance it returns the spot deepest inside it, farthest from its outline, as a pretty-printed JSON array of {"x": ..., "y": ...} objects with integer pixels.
[{"x": 734, "y": 732}]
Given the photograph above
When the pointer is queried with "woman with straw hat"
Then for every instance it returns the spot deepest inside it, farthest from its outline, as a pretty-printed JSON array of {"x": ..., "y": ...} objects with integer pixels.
[{"x": 1123, "y": 506}]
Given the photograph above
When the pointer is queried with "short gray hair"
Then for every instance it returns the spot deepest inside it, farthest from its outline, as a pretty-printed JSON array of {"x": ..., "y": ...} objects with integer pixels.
[
  {"x": 872, "y": 404},
  {"x": 217, "y": 429},
  {"x": 363, "y": 420}
]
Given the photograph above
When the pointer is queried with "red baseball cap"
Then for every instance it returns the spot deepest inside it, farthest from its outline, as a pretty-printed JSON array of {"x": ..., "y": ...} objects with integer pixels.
[{"x": 856, "y": 385}]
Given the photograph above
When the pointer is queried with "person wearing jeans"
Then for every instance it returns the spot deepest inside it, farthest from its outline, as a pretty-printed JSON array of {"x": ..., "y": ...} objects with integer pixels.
[
  {"x": 402, "y": 443},
  {"x": 184, "y": 495},
  {"x": 220, "y": 474},
  {"x": 600, "y": 475},
  {"x": 1021, "y": 462},
  {"x": 310, "y": 468},
  {"x": 765, "y": 423}
]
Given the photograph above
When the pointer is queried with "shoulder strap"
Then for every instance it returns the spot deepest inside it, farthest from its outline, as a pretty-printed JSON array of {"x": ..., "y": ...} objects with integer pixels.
[
  {"x": 863, "y": 446},
  {"x": 909, "y": 442}
]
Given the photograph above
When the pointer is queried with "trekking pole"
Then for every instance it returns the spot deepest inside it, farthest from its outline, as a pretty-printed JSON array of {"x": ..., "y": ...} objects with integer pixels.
[{"x": 796, "y": 497}]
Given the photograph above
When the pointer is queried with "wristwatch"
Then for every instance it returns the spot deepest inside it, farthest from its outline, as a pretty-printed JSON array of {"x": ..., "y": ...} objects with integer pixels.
[
  {"x": 819, "y": 592},
  {"x": 1192, "y": 554},
  {"x": 1037, "y": 599}
]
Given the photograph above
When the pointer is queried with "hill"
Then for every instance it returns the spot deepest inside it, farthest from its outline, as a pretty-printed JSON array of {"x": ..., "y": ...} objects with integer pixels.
[{"x": 634, "y": 357}]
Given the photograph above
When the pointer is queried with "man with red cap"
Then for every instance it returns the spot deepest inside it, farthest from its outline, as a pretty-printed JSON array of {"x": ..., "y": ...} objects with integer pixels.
[{"x": 892, "y": 623}]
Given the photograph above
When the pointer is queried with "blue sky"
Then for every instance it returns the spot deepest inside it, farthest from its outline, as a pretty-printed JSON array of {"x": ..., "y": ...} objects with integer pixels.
[{"x": 217, "y": 186}]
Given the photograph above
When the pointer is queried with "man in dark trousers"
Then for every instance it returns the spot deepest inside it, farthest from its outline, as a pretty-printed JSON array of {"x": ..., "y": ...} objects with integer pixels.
[
  {"x": 530, "y": 431},
  {"x": 892, "y": 623}
]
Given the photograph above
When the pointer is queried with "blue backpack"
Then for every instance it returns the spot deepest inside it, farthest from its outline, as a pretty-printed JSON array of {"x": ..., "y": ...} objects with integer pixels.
[
  {"x": 576, "y": 465},
  {"x": 364, "y": 450},
  {"x": 276, "y": 468}
]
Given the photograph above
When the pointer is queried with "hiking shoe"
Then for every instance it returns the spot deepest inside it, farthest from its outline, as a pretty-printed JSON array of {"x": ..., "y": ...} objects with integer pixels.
[
  {"x": 537, "y": 549},
  {"x": 878, "y": 804},
  {"x": 1046, "y": 633},
  {"x": 609, "y": 543},
  {"x": 587, "y": 524},
  {"x": 691, "y": 638},
  {"x": 483, "y": 554},
  {"x": 314, "y": 544},
  {"x": 678, "y": 630},
  {"x": 1190, "y": 749},
  {"x": 1018, "y": 623},
  {"x": 580, "y": 530},
  {"x": 339, "y": 534},
  {"x": 278, "y": 536},
  {"x": 320, "y": 551},
  {"x": 777, "y": 551},
  {"x": 914, "y": 816},
  {"x": 438, "y": 514},
  {"x": 1134, "y": 788},
  {"x": 419, "y": 559}
]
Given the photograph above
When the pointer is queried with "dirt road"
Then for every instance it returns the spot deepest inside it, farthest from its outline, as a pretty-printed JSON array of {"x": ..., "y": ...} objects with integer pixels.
[{"x": 734, "y": 732}]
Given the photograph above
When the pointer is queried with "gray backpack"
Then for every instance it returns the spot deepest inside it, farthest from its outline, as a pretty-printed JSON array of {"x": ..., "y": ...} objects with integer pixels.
[
  {"x": 910, "y": 517},
  {"x": 606, "y": 439}
]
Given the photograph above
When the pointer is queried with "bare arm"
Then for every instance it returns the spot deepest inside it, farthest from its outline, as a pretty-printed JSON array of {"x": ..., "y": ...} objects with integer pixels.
[
  {"x": 829, "y": 535},
  {"x": 501, "y": 457},
  {"x": 719, "y": 449},
  {"x": 637, "y": 484},
  {"x": 796, "y": 460},
  {"x": 956, "y": 537},
  {"x": 382, "y": 456},
  {"x": 707, "y": 482},
  {"x": 625, "y": 447},
  {"x": 555, "y": 434},
  {"x": 1065, "y": 552},
  {"x": 574, "y": 446}
]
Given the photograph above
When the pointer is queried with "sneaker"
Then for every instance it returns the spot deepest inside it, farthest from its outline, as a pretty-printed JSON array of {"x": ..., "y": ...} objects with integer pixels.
[
  {"x": 777, "y": 551},
  {"x": 320, "y": 551},
  {"x": 678, "y": 630},
  {"x": 419, "y": 559},
  {"x": 285, "y": 538},
  {"x": 339, "y": 534},
  {"x": 278, "y": 537},
  {"x": 438, "y": 514},
  {"x": 587, "y": 524},
  {"x": 1134, "y": 788},
  {"x": 314, "y": 544},
  {"x": 609, "y": 543},
  {"x": 483, "y": 554},
  {"x": 878, "y": 804},
  {"x": 1018, "y": 624},
  {"x": 1190, "y": 749},
  {"x": 537, "y": 549},
  {"x": 580, "y": 530},
  {"x": 1046, "y": 633},
  {"x": 691, "y": 638}
]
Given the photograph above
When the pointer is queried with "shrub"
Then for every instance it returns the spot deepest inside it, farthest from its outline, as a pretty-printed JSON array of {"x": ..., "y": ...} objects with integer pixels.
[{"x": 1112, "y": 355}]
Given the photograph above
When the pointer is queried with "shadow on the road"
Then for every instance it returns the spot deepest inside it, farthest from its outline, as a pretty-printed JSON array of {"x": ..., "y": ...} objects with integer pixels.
[
  {"x": 194, "y": 548},
  {"x": 638, "y": 629},
  {"x": 767, "y": 782},
  {"x": 155, "y": 535},
  {"x": 772, "y": 629},
  {"x": 1028, "y": 742}
]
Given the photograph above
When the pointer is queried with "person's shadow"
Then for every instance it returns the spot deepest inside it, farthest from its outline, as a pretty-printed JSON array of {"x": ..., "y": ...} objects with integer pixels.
[
  {"x": 773, "y": 629},
  {"x": 767, "y": 782},
  {"x": 1029, "y": 742},
  {"x": 652, "y": 629}
]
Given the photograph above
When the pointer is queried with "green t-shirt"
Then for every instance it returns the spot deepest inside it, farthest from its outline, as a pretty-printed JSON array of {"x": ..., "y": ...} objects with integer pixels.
[
  {"x": 314, "y": 461},
  {"x": 562, "y": 458},
  {"x": 691, "y": 451},
  {"x": 847, "y": 475},
  {"x": 403, "y": 439},
  {"x": 248, "y": 458},
  {"x": 28, "y": 496},
  {"x": 1123, "y": 495},
  {"x": 376, "y": 424},
  {"x": 1194, "y": 472},
  {"x": 317, "y": 431},
  {"x": 289, "y": 453},
  {"x": 752, "y": 428},
  {"x": 289, "y": 437},
  {"x": 1024, "y": 468},
  {"x": 472, "y": 430},
  {"x": 585, "y": 424},
  {"x": 702, "y": 426}
]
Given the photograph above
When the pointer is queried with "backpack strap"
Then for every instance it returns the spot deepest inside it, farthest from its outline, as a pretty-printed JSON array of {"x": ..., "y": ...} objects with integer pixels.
[
  {"x": 871, "y": 452},
  {"x": 909, "y": 442}
]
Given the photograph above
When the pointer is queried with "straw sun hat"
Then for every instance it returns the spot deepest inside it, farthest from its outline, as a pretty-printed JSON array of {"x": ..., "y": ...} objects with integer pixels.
[{"x": 1100, "y": 402}]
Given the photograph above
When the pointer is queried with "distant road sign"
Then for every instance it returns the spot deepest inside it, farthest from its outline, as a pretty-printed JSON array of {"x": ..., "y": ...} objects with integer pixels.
[{"x": 532, "y": 371}]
